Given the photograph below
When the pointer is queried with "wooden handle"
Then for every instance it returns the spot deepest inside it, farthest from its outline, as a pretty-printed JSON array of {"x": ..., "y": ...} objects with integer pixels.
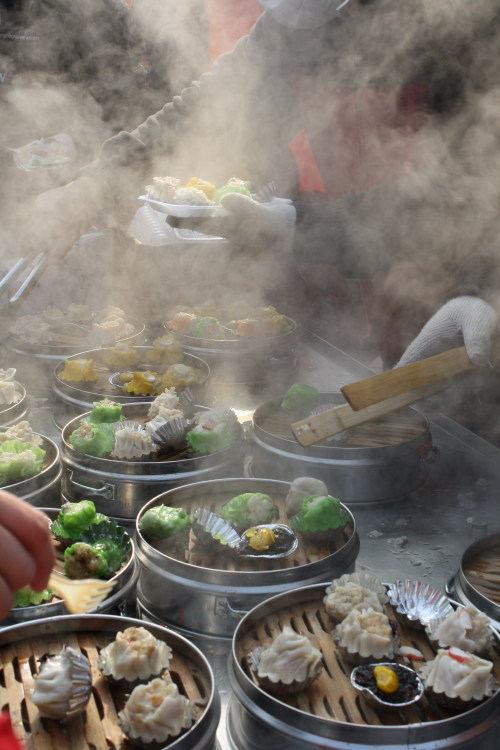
[
  {"x": 332, "y": 421},
  {"x": 385, "y": 385}
]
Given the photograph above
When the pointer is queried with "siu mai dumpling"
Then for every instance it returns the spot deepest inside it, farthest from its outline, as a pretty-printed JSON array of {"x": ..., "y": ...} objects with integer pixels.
[
  {"x": 155, "y": 712},
  {"x": 134, "y": 656}
]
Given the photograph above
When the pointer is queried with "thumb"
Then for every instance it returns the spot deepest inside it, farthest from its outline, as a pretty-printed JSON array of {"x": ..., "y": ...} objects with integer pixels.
[
  {"x": 240, "y": 204},
  {"x": 477, "y": 332}
]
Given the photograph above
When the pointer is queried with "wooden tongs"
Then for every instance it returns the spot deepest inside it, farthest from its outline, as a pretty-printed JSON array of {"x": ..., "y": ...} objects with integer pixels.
[{"x": 380, "y": 394}]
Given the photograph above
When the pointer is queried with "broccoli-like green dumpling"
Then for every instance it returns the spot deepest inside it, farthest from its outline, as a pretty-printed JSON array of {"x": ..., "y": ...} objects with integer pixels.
[
  {"x": 105, "y": 411},
  {"x": 74, "y": 518},
  {"x": 114, "y": 538},
  {"x": 83, "y": 560},
  {"x": 26, "y": 595},
  {"x": 249, "y": 509},
  {"x": 163, "y": 521},
  {"x": 300, "y": 396},
  {"x": 320, "y": 513},
  {"x": 19, "y": 460}
]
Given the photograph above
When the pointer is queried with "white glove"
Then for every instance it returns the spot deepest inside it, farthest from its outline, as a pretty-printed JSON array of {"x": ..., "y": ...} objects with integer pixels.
[
  {"x": 271, "y": 223},
  {"x": 249, "y": 224},
  {"x": 463, "y": 320}
]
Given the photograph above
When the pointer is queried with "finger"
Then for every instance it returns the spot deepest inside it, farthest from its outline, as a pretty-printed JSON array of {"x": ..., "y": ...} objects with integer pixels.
[
  {"x": 30, "y": 527},
  {"x": 5, "y": 599},
  {"x": 17, "y": 566},
  {"x": 214, "y": 226}
]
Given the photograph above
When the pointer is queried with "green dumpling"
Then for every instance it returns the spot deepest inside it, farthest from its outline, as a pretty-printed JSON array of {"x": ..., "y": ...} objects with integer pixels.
[
  {"x": 207, "y": 328},
  {"x": 19, "y": 460},
  {"x": 300, "y": 396},
  {"x": 93, "y": 439},
  {"x": 164, "y": 521},
  {"x": 249, "y": 509},
  {"x": 320, "y": 513},
  {"x": 26, "y": 596},
  {"x": 105, "y": 411},
  {"x": 75, "y": 518}
]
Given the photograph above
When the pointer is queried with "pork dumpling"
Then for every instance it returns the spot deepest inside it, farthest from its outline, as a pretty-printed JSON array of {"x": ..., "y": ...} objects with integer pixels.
[
  {"x": 365, "y": 636},
  {"x": 289, "y": 664},
  {"x": 63, "y": 685},
  {"x": 155, "y": 712},
  {"x": 134, "y": 656},
  {"x": 301, "y": 488}
]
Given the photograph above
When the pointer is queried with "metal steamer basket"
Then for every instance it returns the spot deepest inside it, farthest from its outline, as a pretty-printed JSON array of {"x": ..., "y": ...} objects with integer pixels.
[
  {"x": 120, "y": 488},
  {"x": 44, "y": 487},
  {"x": 377, "y": 461},
  {"x": 207, "y": 593},
  {"x": 121, "y": 599},
  {"x": 11, "y": 414},
  {"x": 477, "y": 580},
  {"x": 330, "y": 714},
  {"x": 97, "y": 728},
  {"x": 244, "y": 360},
  {"x": 36, "y": 362},
  {"x": 71, "y": 398}
]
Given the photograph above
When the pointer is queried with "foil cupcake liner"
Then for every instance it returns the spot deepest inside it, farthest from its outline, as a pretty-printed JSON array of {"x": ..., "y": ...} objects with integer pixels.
[
  {"x": 211, "y": 528},
  {"x": 374, "y": 700},
  {"x": 171, "y": 434},
  {"x": 67, "y": 706},
  {"x": 416, "y": 604}
]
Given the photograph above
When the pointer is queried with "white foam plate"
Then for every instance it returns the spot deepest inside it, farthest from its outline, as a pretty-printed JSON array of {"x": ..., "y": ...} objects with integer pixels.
[{"x": 184, "y": 210}]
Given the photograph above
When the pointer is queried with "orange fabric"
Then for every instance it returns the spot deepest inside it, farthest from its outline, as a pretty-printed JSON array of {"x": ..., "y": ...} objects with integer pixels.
[
  {"x": 228, "y": 21},
  {"x": 363, "y": 138}
]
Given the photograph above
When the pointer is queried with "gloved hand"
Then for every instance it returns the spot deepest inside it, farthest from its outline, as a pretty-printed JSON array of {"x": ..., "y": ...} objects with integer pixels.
[
  {"x": 251, "y": 225},
  {"x": 463, "y": 320}
]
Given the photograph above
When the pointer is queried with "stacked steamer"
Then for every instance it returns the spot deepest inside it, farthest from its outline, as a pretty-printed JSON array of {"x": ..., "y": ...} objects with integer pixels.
[
  {"x": 88, "y": 545},
  {"x": 126, "y": 373},
  {"x": 29, "y": 464},
  {"x": 243, "y": 342},
  {"x": 360, "y": 664},
  {"x": 122, "y": 455},
  {"x": 209, "y": 551},
  {"x": 37, "y": 343},
  {"x": 380, "y": 460},
  {"x": 107, "y": 682},
  {"x": 13, "y": 400},
  {"x": 476, "y": 580}
]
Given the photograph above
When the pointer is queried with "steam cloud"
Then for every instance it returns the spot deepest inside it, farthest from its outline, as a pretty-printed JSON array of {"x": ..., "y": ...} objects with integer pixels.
[{"x": 444, "y": 202}]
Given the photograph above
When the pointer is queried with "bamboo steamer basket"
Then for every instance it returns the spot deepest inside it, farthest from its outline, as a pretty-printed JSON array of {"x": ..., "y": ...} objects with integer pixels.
[
  {"x": 71, "y": 399},
  {"x": 208, "y": 594},
  {"x": 120, "y": 488},
  {"x": 370, "y": 463},
  {"x": 121, "y": 598},
  {"x": 330, "y": 715},
  {"x": 97, "y": 728}
]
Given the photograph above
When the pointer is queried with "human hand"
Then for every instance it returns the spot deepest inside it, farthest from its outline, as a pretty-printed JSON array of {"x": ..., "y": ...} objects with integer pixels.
[
  {"x": 467, "y": 321},
  {"x": 250, "y": 225},
  {"x": 27, "y": 556}
]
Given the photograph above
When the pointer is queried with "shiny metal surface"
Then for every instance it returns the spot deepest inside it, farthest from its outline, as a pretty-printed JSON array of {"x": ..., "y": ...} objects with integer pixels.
[
  {"x": 357, "y": 475},
  {"x": 45, "y": 485},
  {"x": 73, "y": 398},
  {"x": 211, "y": 601},
  {"x": 13, "y": 413},
  {"x": 120, "y": 488}
]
